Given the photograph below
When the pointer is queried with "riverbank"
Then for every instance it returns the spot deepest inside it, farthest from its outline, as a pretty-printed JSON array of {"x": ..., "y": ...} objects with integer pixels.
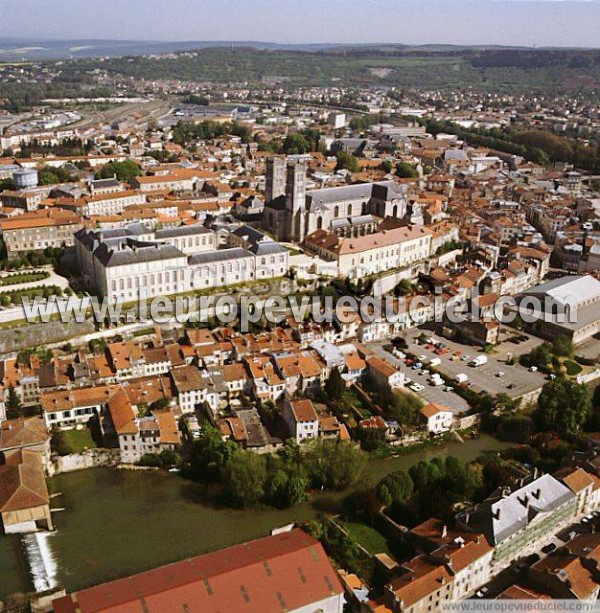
[{"x": 119, "y": 522}]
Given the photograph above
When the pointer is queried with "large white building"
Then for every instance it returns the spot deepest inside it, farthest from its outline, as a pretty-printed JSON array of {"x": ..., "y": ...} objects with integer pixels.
[
  {"x": 126, "y": 262},
  {"x": 570, "y": 308},
  {"x": 374, "y": 253}
]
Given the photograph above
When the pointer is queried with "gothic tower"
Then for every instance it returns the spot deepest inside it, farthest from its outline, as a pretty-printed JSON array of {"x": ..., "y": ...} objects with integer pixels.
[
  {"x": 295, "y": 201},
  {"x": 275, "y": 179}
]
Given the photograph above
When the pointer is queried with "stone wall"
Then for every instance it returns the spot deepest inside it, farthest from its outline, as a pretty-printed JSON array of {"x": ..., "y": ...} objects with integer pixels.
[
  {"x": 41, "y": 334},
  {"x": 91, "y": 458},
  {"x": 467, "y": 421}
]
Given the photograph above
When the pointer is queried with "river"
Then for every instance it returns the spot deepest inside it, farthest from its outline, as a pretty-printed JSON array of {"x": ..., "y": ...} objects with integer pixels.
[{"x": 118, "y": 522}]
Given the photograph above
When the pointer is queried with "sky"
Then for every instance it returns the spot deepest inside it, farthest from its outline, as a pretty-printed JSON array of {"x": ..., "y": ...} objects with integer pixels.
[{"x": 508, "y": 22}]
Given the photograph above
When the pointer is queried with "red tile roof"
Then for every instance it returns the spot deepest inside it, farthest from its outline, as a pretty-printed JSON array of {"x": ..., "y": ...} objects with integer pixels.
[{"x": 276, "y": 573}]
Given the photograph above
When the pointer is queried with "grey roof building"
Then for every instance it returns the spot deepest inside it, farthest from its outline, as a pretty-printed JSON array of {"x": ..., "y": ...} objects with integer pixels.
[{"x": 514, "y": 518}]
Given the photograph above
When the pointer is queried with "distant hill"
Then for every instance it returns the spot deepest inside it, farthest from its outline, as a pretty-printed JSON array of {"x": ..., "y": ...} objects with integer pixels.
[
  {"x": 16, "y": 49},
  {"x": 493, "y": 69},
  {"x": 13, "y": 49}
]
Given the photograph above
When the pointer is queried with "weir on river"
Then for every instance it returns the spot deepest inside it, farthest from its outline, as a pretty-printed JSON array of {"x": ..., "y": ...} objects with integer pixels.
[{"x": 42, "y": 565}]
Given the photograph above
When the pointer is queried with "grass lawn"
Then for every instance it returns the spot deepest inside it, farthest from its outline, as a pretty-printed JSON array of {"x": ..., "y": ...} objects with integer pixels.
[
  {"x": 353, "y": 400},
  {"x": 25, "y": 277},
  {"x": 78, "y": 440},
  {"x": 369, "y": 538},
  {"x": 294, "y": 251},
  {"x": 572, "y": 368},
  {"x": 143, "y": 332}
]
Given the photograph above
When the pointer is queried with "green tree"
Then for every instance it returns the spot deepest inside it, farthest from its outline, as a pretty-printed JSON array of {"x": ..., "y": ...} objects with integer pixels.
[
  {"x": 295, "y": 144},
  {"x": 401, "y": 407},
  {"x": 563, "y": 346},
  {"x": 295, "y": 490},
  {"x": 335, "y": 385},
  {"x": 395, "y": 488},
  {"x": 169, "y": 458},
  {"x": 126, "y": 171},
  {"x": 540, "y": 357},
  {"x": 242, "y": 130},
  {"x": 346, "y": 161},
  {"x": 51, "y": 176},
  {"x": 404, "y": 288},
  {"x": 59, "y": 443},
  {"x": 209, "y": 455},
  {"x": 13, "y": 404},
  {"x": 405, "y": 171},
  {"x": 563, "y": 406},
  {"x": 334, "y": 465},
  {"x": 246, "y": 477},
  {"x": 157, "y": 405}
]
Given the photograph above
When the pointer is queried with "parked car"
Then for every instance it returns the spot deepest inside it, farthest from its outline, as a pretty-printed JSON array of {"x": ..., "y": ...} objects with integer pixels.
[{"x": 416, "y": 387}]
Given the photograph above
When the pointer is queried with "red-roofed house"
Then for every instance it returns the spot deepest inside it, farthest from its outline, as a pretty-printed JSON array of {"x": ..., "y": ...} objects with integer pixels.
[
  {"x": 301, "y": 419},
  {"x": 287, "y": 572},
  {"x": 437, "y": 417}
]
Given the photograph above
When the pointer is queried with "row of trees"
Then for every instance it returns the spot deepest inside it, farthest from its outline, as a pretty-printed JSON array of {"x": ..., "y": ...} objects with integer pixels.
[
  {"x": 50, "y": 176},
  {"x": 185, "y": 132},
  {"x": 539, "y": 146},
  {"x": 282, "y": 479},
  {"x": 126, "y": 171},
  {"x": 298, "y": 143},
  {"x": 561, "y": 347},
  {"x": 430, "y": 488}
]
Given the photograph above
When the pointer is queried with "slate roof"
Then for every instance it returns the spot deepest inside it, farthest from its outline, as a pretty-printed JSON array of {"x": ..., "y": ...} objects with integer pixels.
[
  {"x": 134, "y": 252},
  {"x": 222, "y": 255},
  {"x": 267, "y": 248},
  {"x": 507, "y": 512},
  {"x": 181, "y": 231}
]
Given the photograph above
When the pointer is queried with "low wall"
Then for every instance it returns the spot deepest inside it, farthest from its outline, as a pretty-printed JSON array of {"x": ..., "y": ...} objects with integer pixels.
[
  {"x": 451, "y": 256},
  {"x": 389, "y": 528},
  {"x": 91, "y": 458},
  {"x": 590, "y": 376},
  {"x": 529, "y": 398},
  {"x": 467, "y": 421}
]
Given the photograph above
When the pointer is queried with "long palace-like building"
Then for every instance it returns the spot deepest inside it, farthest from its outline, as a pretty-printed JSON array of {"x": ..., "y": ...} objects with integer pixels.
[{"x": 122, "y": 263}]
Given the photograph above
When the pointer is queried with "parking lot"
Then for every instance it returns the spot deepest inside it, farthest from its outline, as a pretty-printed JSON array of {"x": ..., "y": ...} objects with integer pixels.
[
  {"x": 495, "y": 376},
  {"x": 429, "y": 393},
  {"x": 516, "y": 380}
]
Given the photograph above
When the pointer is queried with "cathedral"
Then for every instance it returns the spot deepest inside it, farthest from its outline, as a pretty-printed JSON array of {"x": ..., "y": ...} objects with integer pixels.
[{"x": 292, "y": 213}]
